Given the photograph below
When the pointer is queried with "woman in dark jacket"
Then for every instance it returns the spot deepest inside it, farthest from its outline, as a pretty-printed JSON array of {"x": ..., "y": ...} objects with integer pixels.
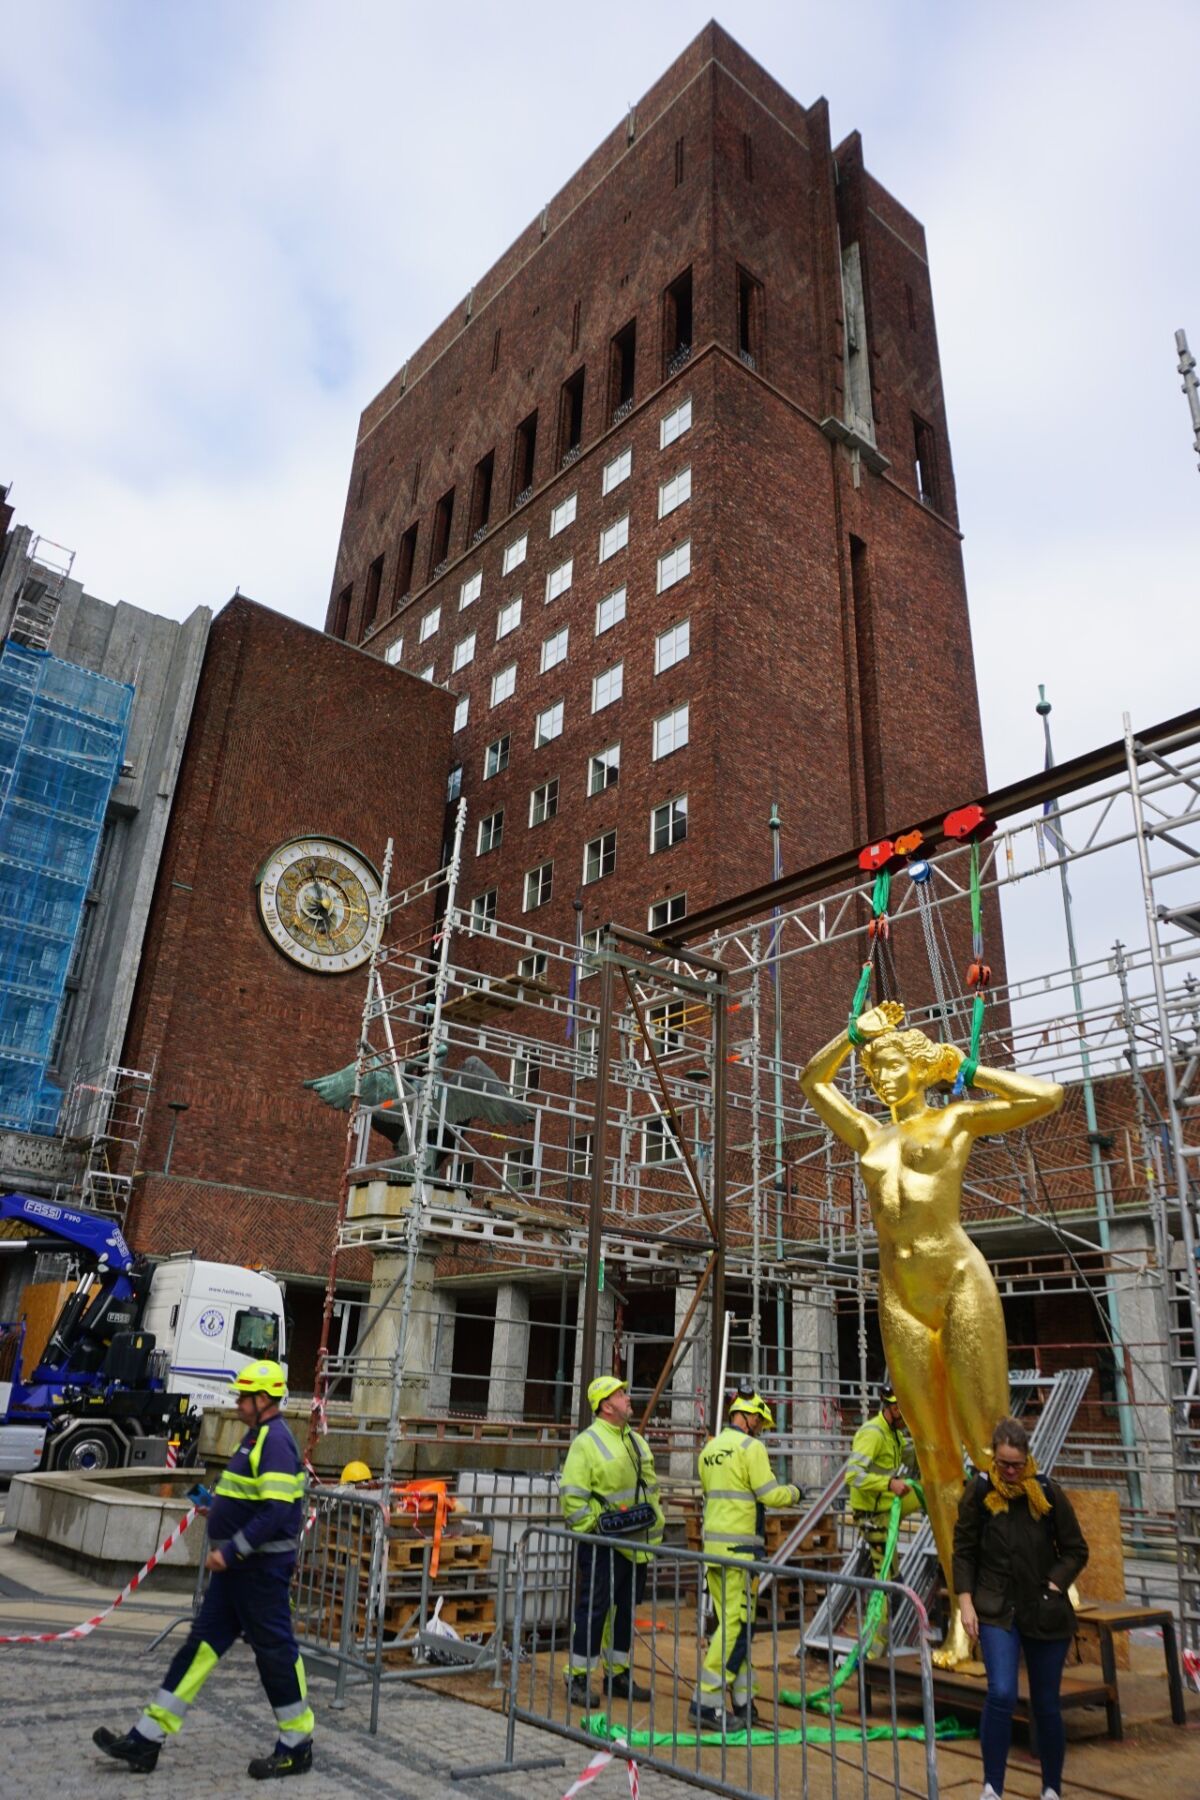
[{"x": 1017, "y": 1549}]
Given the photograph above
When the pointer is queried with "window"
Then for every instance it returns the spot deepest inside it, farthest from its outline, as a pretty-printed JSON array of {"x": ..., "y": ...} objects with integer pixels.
[
  {"x": 749, "y": 319},
  {"x": 667, "y": 912},
  {"x": 508, "y": 618},
  {"x": 674, "y": 566},
  {"x": 256, "y": 1333},
  {"x": 665, "y": 1024},
  {"x": 559, "y": 580},
  {"x": 404, "y": 566},
  {"x": 371, "y": 597},
  {"x": 554, "y": 650},
  {"x": 604, "y": 769},
  {"x": 621, "y": 367},
  {"x": 590, "y": 946},
  {"x": 394, "y": 651},
  {"x": 539, "y": 886},
  {"x": 599, "y": 857},
  {"x": 608, "y": 687},
  {"x": 341, "y": 611},
  {"x": 672, "y": 646},
  {"x": 534, "y": 966},
  {"x": 425, "y": 674},
  {"x": 563, "y": 514},
  {"x": 470, "y": 591},
  {"x": 504, "y": 683},
  {"x": 491, "y": 833},
  {"x": 673, "y": 493},
  {"x": 518, "y": 1166},
  {"x": 514, "y": 554},
  {"x": 668, "y": 823},
  {"x": 585, "y": 1042},
  {"x": 483, "y": 913},
  {"x": 439, "y": 543},
  {"x": 670, "y": 732},
  {"x": 495, "y": 757},
  {"x": 614, "y": 538},
  {"x": 675, "y": 424},
  {"x": 925, "y": 459},
  {"x": 616, "y": 471},
  {"x": 570, "y": 419},
  {"x": 481, "y": 497},
  {"x": 524, "y": 1073},
  {"x": 454, "y": 783},
  {"x": 429, "y": 624},
  {"x": 464, "y": 652},
  {"x": 659, "y": 1143},
  {"x": 462, "y": 713},
  {"x": 548, "y": 725},
  {"x": 610, "y": 611},
  {"x": 579, "y": 1163},
  {"x": 524, "y": 453},
  {"x": 677, "y": 324},
  {"x": 543, "y": 802}
]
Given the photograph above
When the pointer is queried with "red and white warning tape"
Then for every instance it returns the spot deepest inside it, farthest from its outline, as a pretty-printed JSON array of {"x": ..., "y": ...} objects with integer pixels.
[
  {"x": 601, "y": 1761},
  {"x": 89, "y": 1625},
  {"x": 1191, "y": 1667}
]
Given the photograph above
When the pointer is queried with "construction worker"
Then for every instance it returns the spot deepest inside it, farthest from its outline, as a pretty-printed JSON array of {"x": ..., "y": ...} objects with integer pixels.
[
  {"x": 254, "y": 1530},
  {"x": 609, "y": 1468},
  {"x": 739, "y": 1484},
  {"x": 882, "y": 1460}
]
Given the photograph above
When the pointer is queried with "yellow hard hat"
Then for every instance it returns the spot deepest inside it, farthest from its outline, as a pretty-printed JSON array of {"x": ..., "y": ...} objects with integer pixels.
[
  {"x": 752, "y": 1403},
  {"x": 355, "y": 1471},
  {"x": 261, "y": 1378},
  {"x": 602, "y": 1389}
]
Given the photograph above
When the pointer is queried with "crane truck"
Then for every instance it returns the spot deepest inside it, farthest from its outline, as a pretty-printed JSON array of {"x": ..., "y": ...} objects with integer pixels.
[{"x": 136, "y": 1353}]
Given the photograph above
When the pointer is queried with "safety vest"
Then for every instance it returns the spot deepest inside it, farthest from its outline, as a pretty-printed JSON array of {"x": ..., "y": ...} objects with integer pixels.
[
  {"x": 605, "y": 1469},
  {"x": 878, "y": 1455},
  {"x": 739, "y": 1484},
  {"x": 241, "y": 1479}
]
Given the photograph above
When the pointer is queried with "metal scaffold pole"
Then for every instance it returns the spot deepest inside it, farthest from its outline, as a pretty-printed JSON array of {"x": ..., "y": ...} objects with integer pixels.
[{"x": 1187, "y": 368}]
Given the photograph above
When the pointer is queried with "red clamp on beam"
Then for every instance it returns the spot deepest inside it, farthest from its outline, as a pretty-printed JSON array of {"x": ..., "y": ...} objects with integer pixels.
[
  {"x": 968, "y": 822},
  {"x": 876, "y": 856}
]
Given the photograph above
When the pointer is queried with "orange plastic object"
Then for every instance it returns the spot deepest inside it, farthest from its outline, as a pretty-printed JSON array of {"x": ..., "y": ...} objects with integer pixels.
[
  {"x": 876, "y": 855},
  {"x": 428, "y": 1499},
  {"x": 908, "y": 841},
  {"x": 979, "y": 975},
  {"x": 880, "y": 927}
]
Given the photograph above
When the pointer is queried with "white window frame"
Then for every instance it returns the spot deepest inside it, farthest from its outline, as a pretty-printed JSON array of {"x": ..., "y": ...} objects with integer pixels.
[
  {"x": 539, "y": 886},
  {"x": 675, "y": 493},
  {"x": 657, "y": 1129},
  {"x": 548, "y": 725},
  {"x": 560, "y": 579},
  {"x": 394, "y": 651},
  {"x": 533, "y": 966},
  {"x": 426, "y": 674},
  {"x": 594, "y": 758},
  {"x": 464, "y": 653},
  {"x": 470, "y": 590},
  {"x": 589, "y": 945},
  {"x": 617, "y": 470},
  {"x": 543, "y": 788},
  {"x": 505, "y": 738},
  {"x": 614, "y": 537},
  {"x": 615, "y": 602},
  {"x": 483, "y": 914},
  {"x": 429, "y": 625},
  {"x": 608, "y": 687},
  {"x": 554, "y": 649},
  {"x": 508, "y": 618},
  {"x": 666, "y": 646},
  {"x": 669, "y": 916},
  {"x": 673, "y": 565},
  {"x": 597, "y": 844},
  {"x": 514, "y": 553},
  {"x": 504, "y": 684},
  {"x": 462, "y": 713},
  {"x": 564, "y": 514},
  {"x": 491, "y": 828},
  {"x": 519, "y": 1170},
  {"x": 673, "y": 424},
  {"x": 668, "y": 807},
  {"x": 670, "y": 720}
]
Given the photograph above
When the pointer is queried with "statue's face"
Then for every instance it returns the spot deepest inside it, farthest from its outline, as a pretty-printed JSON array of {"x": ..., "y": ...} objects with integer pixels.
[{"x": 892, "y": 1074}]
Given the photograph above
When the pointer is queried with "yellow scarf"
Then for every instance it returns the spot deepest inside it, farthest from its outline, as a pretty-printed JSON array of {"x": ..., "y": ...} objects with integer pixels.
[{"x": 1000, "y": 1492}]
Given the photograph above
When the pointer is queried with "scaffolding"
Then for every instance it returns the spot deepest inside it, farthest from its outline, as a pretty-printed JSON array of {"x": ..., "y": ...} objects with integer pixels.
[
  {"x": 103, "y": 1123},
  {"x": 695, "y": 1219}
]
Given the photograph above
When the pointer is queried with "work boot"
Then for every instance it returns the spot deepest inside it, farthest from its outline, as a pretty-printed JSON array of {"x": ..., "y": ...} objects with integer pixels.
[
  {"x": 579, "y": 1693},
  {"x": 709, "y": 1718},
  {"x": 282, "y": 1762},
  {"x": 749, "y": 1717},
  {"x": 138, "y": 1753},
  {"x": 625, "y": 1687}
]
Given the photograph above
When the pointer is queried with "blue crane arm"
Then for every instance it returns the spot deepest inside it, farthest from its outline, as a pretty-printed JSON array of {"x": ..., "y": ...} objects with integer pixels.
[{"x": 99, "y": 1237}]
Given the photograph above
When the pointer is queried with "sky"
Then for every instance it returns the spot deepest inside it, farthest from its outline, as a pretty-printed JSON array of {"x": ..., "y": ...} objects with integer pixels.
[{"x": 225, "y": 227}]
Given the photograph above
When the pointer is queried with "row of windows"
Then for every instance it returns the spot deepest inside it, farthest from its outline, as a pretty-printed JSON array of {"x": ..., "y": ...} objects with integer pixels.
[
  {"x": 484, "y": 911},
  {"x": 669, "y": 732},
  {"x": 668, "y": 824}
]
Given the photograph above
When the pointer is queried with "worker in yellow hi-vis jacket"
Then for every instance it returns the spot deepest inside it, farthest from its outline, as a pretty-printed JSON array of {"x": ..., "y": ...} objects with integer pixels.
[
  {"x": 739, "y": 1484},
  {"x": 882, "y": 1463}
]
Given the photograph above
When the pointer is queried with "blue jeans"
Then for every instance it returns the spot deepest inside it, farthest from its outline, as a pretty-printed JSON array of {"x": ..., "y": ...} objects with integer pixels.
[{"x": 1044, "y": 1662}]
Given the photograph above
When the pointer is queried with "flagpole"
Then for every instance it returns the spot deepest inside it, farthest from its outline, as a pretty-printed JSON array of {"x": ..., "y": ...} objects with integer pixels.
[{"x": 1096, "y": 1138}]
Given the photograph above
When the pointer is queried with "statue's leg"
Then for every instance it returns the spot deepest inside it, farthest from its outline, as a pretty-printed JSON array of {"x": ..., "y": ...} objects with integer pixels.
[{"x": 918, "y": 1371}]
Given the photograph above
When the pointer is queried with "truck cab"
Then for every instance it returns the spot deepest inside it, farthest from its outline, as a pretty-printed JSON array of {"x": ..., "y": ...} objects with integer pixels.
[{"x": 212, "y": 1319}]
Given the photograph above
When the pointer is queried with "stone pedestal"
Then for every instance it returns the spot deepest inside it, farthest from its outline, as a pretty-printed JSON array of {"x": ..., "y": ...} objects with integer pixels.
[
  {"x": 605, "y": 1320},
  {"x": 372, "y": 1392},
  {"x": 510, "y": 1353},
  {"x": 814, "y": 1381},
  {"x": 689, "y": 1380},
  {"x": 1144, "y": 1326}
]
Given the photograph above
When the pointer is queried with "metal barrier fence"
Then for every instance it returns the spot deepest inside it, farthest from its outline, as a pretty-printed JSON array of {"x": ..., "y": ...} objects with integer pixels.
[{"x": 665, "y": 1601}]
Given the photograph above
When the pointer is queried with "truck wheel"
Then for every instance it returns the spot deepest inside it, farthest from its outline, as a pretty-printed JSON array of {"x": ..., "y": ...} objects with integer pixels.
[{"x": 83, "y": 1448}]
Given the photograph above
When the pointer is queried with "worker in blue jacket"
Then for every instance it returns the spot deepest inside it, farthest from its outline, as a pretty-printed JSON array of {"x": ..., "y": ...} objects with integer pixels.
[{"x": 254, "y": 1531}]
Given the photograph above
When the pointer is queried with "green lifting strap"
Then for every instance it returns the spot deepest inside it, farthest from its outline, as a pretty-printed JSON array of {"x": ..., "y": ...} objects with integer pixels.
[
  {"x": 599, "y": 1725},
  {"x": 967, "y": 1071},
  {"x": 880, "y": 895}
]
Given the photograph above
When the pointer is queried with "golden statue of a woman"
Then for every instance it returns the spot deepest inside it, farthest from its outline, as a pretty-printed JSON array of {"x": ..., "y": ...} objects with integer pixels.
[{"x": 939, "y": 1312}]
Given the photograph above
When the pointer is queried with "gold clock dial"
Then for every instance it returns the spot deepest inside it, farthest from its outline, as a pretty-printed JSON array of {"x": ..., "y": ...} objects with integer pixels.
[{"x": 320, "y": 901}]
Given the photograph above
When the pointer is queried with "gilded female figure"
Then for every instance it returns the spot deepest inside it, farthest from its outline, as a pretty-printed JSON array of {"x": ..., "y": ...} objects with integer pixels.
[{"x": 939, "y": 1312}]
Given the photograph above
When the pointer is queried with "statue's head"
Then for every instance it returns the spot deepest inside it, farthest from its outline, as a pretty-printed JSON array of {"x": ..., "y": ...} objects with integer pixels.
[{"x": 900, "y": 1064}]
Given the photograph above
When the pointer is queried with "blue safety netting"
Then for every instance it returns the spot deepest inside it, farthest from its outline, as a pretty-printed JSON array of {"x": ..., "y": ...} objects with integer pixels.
[{"x": 62, "y": 741}]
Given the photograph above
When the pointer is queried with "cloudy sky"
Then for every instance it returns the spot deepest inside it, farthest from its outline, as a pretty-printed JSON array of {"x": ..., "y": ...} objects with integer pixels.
[{"x": 225, "y": 226}]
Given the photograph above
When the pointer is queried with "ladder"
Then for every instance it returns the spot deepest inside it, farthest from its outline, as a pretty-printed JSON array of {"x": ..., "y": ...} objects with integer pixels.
[
  {"x": 1164, "y": 782},
  {"x": 47, "y": 568},
  {"x": 919, "y": 1567}
]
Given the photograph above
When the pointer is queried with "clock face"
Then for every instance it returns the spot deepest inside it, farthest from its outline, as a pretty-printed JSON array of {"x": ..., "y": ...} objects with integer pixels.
[{"x": 321, "y": 902}]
